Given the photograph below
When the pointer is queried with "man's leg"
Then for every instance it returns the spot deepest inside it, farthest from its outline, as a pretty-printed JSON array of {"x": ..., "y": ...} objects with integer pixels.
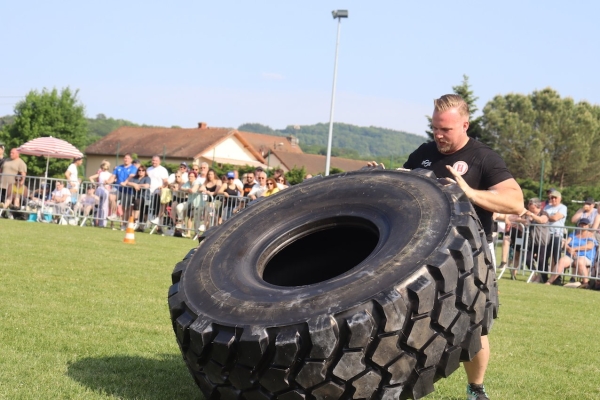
[{"x": 475, "y": 370}]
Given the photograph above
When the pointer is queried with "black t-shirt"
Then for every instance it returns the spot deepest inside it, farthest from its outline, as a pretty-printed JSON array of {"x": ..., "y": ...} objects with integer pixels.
[
  {"x": 247, "y": 188},
  {"x": 481, "y": 168}
]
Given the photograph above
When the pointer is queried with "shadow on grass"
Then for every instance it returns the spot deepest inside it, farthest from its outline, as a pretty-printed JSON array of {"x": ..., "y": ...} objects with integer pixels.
[{"x": 128, "y": 377}]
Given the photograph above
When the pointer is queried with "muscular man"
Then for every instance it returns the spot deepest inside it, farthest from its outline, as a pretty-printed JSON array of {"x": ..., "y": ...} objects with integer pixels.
[{"x": 483, "y": 176}]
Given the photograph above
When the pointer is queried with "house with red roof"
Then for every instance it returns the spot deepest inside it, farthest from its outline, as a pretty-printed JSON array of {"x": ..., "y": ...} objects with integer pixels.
[{"x": 211, "y": 145}]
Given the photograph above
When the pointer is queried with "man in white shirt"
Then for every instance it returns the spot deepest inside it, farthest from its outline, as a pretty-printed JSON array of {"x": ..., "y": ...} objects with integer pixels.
[
  {"x": 72, "y": 178},
  {"x": 159, "y": 176},
  {"x": 203, "y": 171},
  {"x": 260, "y": 187}
]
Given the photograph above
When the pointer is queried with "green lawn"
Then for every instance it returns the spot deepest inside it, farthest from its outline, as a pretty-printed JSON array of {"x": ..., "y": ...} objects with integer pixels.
[{"x": 84, "y": 316}]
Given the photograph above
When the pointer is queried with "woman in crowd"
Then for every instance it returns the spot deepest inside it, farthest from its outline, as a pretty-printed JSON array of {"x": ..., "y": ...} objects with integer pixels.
[
  {"x": 211, "y": 187},
  {"x": 140, "y": 184},
  {"x": 103, "y": 178},
  {"x": 192, "y": 205},
  {"x": 229, "y": 190},
  {"x": 271, "y": 188}
]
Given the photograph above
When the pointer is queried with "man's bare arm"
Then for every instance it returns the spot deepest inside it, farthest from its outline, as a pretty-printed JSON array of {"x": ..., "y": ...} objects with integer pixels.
[{"x": 505, "y": 197}]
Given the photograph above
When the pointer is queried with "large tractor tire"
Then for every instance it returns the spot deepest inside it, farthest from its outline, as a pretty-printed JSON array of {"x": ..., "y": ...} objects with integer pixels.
[{"x": 364, "y": 285}]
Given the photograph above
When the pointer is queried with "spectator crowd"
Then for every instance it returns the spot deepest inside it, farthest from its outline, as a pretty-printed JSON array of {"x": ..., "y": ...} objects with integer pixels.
[
  {"x": 538, "y": 239},
  {"x": 183, "y": 203},
  {"x": 194, "y": 198}
]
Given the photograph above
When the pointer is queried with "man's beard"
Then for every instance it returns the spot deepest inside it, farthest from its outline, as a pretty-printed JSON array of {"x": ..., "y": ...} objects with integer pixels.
[{"x": 443, "y": 147}]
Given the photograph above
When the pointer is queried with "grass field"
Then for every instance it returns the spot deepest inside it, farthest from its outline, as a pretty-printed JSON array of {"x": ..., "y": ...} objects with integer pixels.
[{"x": 84, "y": 316}]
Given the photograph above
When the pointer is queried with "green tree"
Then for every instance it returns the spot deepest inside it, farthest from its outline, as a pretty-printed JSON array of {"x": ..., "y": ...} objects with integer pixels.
[
  {"x": 528, "y": 129},
  {"x": 295, "y": 175},
  {"x": 475, "y": 130},
  {"x": 47, "y": 113}
]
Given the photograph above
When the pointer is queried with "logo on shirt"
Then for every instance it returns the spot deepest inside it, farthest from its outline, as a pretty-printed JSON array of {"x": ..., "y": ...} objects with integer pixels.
[
  {"x": 426, "y": 163},
  {"x": 461, "y": 167}
]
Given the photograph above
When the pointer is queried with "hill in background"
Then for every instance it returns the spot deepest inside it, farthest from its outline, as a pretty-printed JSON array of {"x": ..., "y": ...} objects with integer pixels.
[{"x": 349, "y": 141}]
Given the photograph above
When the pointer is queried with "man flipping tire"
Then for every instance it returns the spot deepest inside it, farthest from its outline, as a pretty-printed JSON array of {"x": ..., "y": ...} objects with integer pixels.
[{"x": 486, "y": 181}]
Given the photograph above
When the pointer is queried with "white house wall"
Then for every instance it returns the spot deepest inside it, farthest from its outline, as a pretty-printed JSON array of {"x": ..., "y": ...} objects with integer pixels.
[{"x": 230, "y": 148}]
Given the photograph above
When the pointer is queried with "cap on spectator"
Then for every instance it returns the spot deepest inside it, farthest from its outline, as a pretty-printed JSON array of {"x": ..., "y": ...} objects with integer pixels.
[
  {"x": 583, "y": 221},
  {"x": 230, "y": 175},
  {"x": 589, "y": 200},
  {"x": 555, "y": 193},
  {"x": 183, "y": 163},
  {"x": 259, "y": 169},
  {"x": 136, "y": 161}
]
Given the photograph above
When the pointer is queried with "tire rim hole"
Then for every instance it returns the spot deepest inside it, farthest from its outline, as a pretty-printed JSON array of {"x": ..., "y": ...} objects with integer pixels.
[{"x": 322, "y": 254}]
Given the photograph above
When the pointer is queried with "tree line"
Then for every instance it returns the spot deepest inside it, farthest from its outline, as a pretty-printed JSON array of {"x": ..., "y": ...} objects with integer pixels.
[{"x": 540, "y": 134}]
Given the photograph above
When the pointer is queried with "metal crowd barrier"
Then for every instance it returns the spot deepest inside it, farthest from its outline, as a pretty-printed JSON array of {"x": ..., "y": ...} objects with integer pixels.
[
  {"x": 105, "y": 205},
  {"x": 530, "y": 253}
]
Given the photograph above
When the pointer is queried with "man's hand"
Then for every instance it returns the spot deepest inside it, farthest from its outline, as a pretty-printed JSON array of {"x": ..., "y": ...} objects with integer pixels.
[
  {"x": 374, "y": 164},
  {"x": 461, "y": 182}
]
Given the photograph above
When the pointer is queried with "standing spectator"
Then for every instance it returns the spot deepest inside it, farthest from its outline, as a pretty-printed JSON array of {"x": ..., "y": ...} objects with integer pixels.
[
  {"x": 182, "y": 172},
  {"x": 589, "y": 212},
  {"x": 102, "y": 191},
  {"x": 237, "y": 180},
  {"x": 203, "y": 171},
  {"x": 249, "y": 184},
  {"x": 279, "y": 177},
  {"x": 260, "y": 188},
  {"x": 120, "y": 177},
  {"x": 538, "y": 236},
  {"x": 136, "y": 163},
  {"x": 140, "y": 184},
  {"x": 72, "y": 175},
  {"x": 557, "y": 214},
  {"x": 229, "y": 190},
  {"x": 11, "y": 168},
  {"x": 282, "y": 182},
  {"x": 158, "y": 179}
]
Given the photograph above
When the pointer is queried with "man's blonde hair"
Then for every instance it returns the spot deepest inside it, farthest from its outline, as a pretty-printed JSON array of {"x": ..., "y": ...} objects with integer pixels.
[{"x": 449, "y": 101}]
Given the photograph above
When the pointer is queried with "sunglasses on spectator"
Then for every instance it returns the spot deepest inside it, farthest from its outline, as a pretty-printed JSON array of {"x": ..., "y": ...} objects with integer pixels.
[
  {"x": 270, "y": 183},
  {"x": 261, "y": 178}
]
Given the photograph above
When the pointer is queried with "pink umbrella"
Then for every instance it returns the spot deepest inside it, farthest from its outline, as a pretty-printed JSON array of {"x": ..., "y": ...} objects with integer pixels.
[{"x": 49, "y": 147}]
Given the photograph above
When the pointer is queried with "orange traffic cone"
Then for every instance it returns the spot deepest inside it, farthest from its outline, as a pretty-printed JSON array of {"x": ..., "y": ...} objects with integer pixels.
[{"x": 129, "y": 232}]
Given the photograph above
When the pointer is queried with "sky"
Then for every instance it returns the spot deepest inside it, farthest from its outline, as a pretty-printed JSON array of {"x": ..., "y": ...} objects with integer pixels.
[{"x": 272, "y": 62}]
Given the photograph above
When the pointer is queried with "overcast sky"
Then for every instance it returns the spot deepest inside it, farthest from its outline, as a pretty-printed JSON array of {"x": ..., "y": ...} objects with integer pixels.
[{"x": 227, "y": 63}]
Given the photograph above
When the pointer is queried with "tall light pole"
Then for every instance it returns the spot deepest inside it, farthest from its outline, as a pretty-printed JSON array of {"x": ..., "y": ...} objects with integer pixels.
[{"x": 339, "y": 14}]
